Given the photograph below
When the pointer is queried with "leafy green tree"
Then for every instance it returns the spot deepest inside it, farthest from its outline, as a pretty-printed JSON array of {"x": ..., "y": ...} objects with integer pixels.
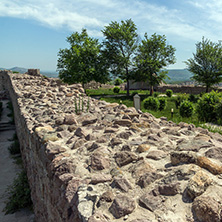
[
  {"x": 206, "y": 64},
  {"x": 83, "y": 61},
  {"x": 154, "y": 54},
  {"x": 120, "y": 44}
]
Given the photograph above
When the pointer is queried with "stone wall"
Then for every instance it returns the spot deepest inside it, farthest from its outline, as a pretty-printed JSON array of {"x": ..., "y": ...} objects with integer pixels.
[
  {"x": 89, "y": 160},
  {"x": 176, "y": 88}
]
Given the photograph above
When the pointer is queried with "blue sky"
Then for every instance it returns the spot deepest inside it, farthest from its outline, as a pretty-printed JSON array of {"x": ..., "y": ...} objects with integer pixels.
[{"x": 32, "y": 32}]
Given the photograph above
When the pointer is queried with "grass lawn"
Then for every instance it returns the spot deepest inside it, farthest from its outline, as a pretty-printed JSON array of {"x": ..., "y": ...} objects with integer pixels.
[{"x": 101, "y": 91}]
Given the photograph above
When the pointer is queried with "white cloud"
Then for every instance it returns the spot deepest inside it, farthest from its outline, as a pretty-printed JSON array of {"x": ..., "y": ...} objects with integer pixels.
[{"x": 95, "y": 14}]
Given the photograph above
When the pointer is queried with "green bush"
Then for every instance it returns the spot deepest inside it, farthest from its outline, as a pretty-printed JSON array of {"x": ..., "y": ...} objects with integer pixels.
[
  {"x": 116, "y": 89},
  {"x": 186, "y": 109},
  {"x": 118, "y": 81},
  {"x": 155, "y": 94},
  {"x": 14, "y": 147},
  {"x": 169, "y": 92},
  {"x": 162, "y": 103},
  {"x": 179, "y": 99},
  {"x": 1, "y": 109},
  {"x": 151, "y": 103},
  {"x": 19, "y": 194},
  {"x": 134, "y": 93},
  {"x": 219, "y": 112},
  {"x": 207, "y": 107},
  {"x": 193, "y": 98}
]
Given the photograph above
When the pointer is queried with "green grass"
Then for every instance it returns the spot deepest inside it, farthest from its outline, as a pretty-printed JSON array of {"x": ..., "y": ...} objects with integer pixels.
[{"x": 101, "y": 92}]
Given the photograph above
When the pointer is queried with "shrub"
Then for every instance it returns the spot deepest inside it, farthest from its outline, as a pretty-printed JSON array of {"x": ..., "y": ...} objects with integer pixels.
[
  {"x": 186, "y": 108},
  {"x": 193, "y": 98},
  {"x": 155, "y": 94},
  {"x": 118, "y": 81},
  {"x": 151, "y": 103},
  {"x": 219, "y": 112},
  {"x": 169, "y": 92},
  {"x": 179, "y": 99},
  {"x": 14, "y": 147},
  {"x": 134, "y": 93},
  {"x": 116, "y": 89},
  {"x": 207, "y": 107},
  {"x": 162, "y": 103}
]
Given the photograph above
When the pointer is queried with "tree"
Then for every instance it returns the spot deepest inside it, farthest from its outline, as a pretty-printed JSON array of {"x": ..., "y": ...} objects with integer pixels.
[
  {"x": 206, "y": 64},
  {"x": 120, "y": 45},
  {"x": 154, "y": 54},
  {"x": 83, "y": 61}
]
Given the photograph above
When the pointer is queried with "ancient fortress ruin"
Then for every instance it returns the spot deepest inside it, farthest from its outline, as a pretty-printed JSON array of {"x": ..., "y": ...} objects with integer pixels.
[{"x": 102, "y": 162}]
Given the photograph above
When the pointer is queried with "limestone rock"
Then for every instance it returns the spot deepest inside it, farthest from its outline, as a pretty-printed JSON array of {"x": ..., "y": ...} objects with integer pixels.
[
  {"x": 206, "y": 209},
  {"x": 150, "y": 201},
  {"x": 80, "y": 132},
  {"x": 70, "y": 119},
  {"x": 115, "y": 141},
  {"x": 89, "y": 121},
  {"x": 181, "y": 157},
  {"x": 215, "y": 153},
  {"x": 99, "y": 161},
  {"x": 170, "y": 189},
  {"x": 123, "y": 122},
  {"x": 198, "y": 184},
  {"x": 124, "y": 157},
  {"x": 124, "y": 135},
  {"x": 156, "y": 154},
  {"x": 122, "y": 183},
  {"x": 121, "y": 206},
  {"x": 147, "y": 178},
  {"x": 97, "y": 217},
  {"x": 141, "y": 168},
  {"x": 107, "y": 196},
  {"x": 100, "y": 178},
  {"x": 205, "y": 163},
  {"x": 142, "y": 148}
]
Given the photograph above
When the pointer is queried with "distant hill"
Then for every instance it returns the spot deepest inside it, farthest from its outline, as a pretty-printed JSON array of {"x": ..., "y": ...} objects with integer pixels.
[
  {"x": 178, "y": 75},
  {"x": 18, "y": 69}
]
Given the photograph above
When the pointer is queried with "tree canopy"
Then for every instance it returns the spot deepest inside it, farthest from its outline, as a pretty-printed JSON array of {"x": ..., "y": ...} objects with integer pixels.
[
  {"x": 206, "y": 64},
  {"x": 83, "y": 61},
  {"x": 120, "y": 45},
  {"x": 154, "y": 54}
]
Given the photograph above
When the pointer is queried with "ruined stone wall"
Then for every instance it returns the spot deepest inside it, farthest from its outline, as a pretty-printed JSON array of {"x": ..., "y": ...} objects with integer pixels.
[
  {"x": 47, "y": 188},
  {"x": 107, "y": 162},
  {"x": 176, "y": 88}
]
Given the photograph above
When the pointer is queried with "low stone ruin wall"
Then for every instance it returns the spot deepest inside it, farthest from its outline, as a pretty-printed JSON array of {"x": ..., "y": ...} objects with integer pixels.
[
  {"x": 88, "y": 160},
  {"x": 176, "y": 88}
]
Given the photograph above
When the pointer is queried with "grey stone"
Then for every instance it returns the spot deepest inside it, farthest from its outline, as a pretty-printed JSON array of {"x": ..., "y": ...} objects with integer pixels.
[
  {"x": 125, "y": 157},
  {"x": 121, "y": 206},
  {"x": 206, "y": 209}
]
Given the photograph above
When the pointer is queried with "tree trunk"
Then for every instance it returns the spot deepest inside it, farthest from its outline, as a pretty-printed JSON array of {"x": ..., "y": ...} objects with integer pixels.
[
  {"x": 207, "y": 89},
  {"x": 127, "y": 79},
  {"x": 127, "y": 87},
  {"x": 151, "y": 90}
]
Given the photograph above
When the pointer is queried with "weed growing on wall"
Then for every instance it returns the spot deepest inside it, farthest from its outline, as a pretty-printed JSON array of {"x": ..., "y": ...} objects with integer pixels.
[
  {"x": 11, "y": 114},
  {"x": 1, "y": 108},
  {"x": 19, "y": 194},
  {"x": 80, "y": 105}
]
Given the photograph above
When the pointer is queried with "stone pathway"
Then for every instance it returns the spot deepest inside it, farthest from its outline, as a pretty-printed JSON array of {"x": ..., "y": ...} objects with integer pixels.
[{"x": 8, "y": 170}]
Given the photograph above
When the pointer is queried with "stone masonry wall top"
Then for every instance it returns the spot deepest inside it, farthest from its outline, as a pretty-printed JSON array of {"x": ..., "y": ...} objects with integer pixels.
[{"x": 109, "y": 162}]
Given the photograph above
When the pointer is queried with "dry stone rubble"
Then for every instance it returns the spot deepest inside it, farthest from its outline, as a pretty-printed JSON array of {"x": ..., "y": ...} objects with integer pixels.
[{"x": 114, "y": 163}]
